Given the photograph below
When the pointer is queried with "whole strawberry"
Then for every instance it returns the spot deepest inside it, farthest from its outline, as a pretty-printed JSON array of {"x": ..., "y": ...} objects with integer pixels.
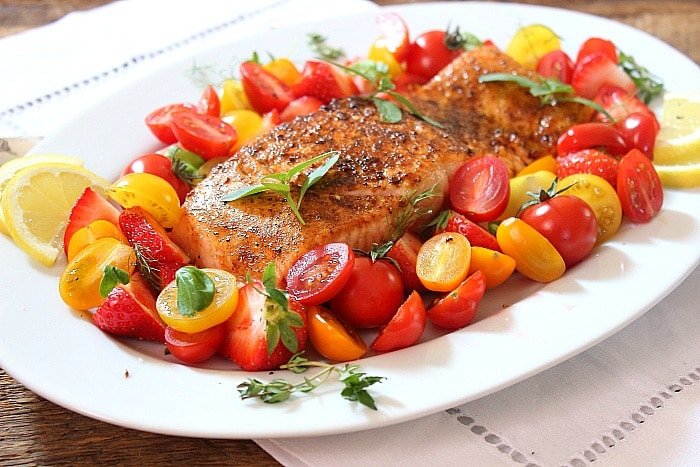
[{"x": 588, "y": 161}]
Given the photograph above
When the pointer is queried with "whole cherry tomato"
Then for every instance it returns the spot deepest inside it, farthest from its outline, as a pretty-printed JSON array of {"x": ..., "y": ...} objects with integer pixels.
[
  {"x": 639, "y": 187},
  {"x": 160, "y": 166},
  {"x": 405, "y": 328},
  {"x": 592, "y": 135},
  {"x": 639, "y": 132},
  {"x": 457, "y": 309},
  {"x": 204, "y": 135},
  {"x": 556, "y": 64},
  {"x": 195, "y": 347},
  {"x": 319, "y": 274},
  {"x": 480, "y": 189},
  {"x": 429, "y": 54}
]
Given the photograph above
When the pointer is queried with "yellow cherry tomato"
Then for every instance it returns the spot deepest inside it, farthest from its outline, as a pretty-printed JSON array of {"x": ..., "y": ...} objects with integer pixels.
[
  {"x": 331, "y": 339},
  {"x": 219, "y": 310},
  {"x": 247, "y": 124},
  {"x": 535, "y": 257},
  {"x": 92, "y": 232},
  {"x": 382, "y": 54},
  {"x": 531, "y": 43},
  {"x": 443, "y": 261},
  {"x": 601, "y": 197},
  {"x": 151, "y": 193},
  {"x": 522, "y": 185},
  {"x": 233, "y": 97},
  {"x": 548, "y": 163},
  {"x": 284, "y": 70},
  {"x": 79, "y": 284},
  {"x": 496, "y": 266}
]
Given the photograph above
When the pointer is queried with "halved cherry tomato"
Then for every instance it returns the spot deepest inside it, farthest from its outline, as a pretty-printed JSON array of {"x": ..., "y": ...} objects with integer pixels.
[
  {"x": 393, "y": 35},
  {"x": 371, "y": 296},
  {"x": 159, "y": 120},
  {"x": 405, "y": 253},
  {"x": 620, "y": 103},
  {"x": 476, "y": 234},
  {"x": 639, "y": 187},
  {"x": 149, "y": 192},
  {"x": 319, "y": 274},
  {"x": 160, "y": 166},
  {"x": 591, "y": 135},
  {"x": 428, "y": 54},
  {"x": 458, "y": 308},
  {"x": 247, "y": 124},
  {"x": 265, "y": 92},
  {"x": 480, "y": 188},
  {"x": 597, "y": 46},
  {"x": 204, "y": 135},
  {"x": 303, "y": 105},
  {"x": 405, "y": 328},
  {"x": 209, "y": 103},
  {"x": 639, "y": 132},
  {"x": 556, "y": 64},
  {"x": 535, "y": 257},
  {"x": 284, "y": 70},
  {"x": 195, "y": 347},
  {"x": 331, "y": 338},
  {"x": 92, "y": 232},
  {"x": 443, "y": 261},
  {"x": 601, "y": 197},
  {"x": 548, "y": 163},
  {"x": 496, "y": 266},
  {"x": 269, "y": 121}
]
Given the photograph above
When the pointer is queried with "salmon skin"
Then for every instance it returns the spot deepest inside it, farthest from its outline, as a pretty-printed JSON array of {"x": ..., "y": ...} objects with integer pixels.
[{"x": 381, "y": 166}]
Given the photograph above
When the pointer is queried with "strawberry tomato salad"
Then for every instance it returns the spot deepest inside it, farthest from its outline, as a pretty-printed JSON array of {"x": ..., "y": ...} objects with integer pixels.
[{"x": 124, "y": 268}]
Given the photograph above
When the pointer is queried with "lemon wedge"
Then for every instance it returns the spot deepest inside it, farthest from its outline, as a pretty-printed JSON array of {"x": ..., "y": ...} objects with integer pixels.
[
  {"x": 679, "y": 176},
  {"x": 678, "y": 141},
  {"x": 11, "y": 167},
  {"x": 36, "y": 204}
]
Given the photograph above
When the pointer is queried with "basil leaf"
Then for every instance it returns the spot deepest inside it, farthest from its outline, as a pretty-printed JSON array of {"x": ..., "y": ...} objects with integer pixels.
[
  {"x": 388, "y": 111},
  {"x": 195, "y": 290},
  {"x": 243, "y": 192},
  {"x": 112, "y": 277},
  {"x": 317, "y": 174}
]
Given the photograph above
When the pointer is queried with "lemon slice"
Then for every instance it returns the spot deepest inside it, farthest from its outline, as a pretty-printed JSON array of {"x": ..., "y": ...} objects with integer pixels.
[
  {"x": 679, "y": 176},
  {"x": 11, "y": 167},
  {"x": 678, "y": 141},
  {"x": 36, "y": 204}
]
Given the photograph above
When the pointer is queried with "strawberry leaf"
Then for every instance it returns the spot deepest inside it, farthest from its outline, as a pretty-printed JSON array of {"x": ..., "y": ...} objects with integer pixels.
[
  {"x": 195, "y": 290},
  {"x": 289, "y": 338},
  {"x": 272, "y": 336}
]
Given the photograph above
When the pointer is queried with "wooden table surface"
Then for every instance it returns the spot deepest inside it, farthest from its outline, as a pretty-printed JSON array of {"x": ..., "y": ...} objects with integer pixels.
[{"x": 35, "y": 431}]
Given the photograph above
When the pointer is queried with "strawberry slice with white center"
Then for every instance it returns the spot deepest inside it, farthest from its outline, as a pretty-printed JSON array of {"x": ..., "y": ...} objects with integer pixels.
[
  {"x": 158, "y": 256},
  {"x": 130, "y": 310},
  {"x": 596, "y": 71},
  {"x": 91, "y": 206}
]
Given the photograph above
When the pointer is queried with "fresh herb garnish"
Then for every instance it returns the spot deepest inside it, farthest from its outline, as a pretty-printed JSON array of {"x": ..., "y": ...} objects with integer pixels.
[
  {"x": 548, "y": 90},
  {"x": 543, "y": 195},
  {"x": 648, "y": 84},
  {"x": 112, "y": 277},
  {"x": 355, "y": 383},
  {"x": 195, "y": 290},
  {"x": 185, "y": 164},
  {"x": 441, "y": 221},
  {"x": 280, "y": 183},
  {"x": 146, "y": 265},
  {"x": 317, "y": 44},
  {"x": 461, "y": 40}
]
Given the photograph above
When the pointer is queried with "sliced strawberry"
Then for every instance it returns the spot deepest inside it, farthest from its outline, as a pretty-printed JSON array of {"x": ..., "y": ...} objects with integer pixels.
[
  {"x": 596, "y": 71},
  {"x": 450, "y": 221},
  {"x": 159, "y": 256},
  {"x": 303, "y": 105},
  {"x": 322, "y": 81},
  {"x": 130, "y": 310},
  {"x": 619, "y": 104},
  {"x": 90, "y": 207},
  {"x": 588, "y": 161}
]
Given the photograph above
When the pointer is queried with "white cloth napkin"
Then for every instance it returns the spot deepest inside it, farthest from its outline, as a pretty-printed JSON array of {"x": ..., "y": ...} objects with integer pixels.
[{"x": 632, "y": 400}]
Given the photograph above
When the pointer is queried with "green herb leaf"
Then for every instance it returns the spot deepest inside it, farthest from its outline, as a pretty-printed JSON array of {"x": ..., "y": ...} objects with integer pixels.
[
  {"x": 458, "y": 40},
  {"x": 188, "y": 157},
  {"x": 318, "y": 174},
  {"x": 371, "y": 70},
  {"x": 272, "y": 337},
  {"x": 317, "y": 44},
  {"x": 244, "y": 191},
  {"x": 441, "y": 221},
  {"x": 195, "y": 290},
  {"x": 268, "y": 276},
  {"x": 289, "y": 338},
  {"x": 648, "y": 85},
  {"x": 112, "y": 277},
  {"x": 388, "y": 111},
  {"x": 255, "y": 58}
]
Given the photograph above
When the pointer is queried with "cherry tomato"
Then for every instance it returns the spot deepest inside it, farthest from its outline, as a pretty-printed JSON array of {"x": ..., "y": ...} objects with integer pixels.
[
  {"x": 195, "y": 347},
  {"x": 619, "y": 104},
  {"x": 547, "y": 163},
  {"x": 639, "y": 187},
  {"x": 535, "y": 257},
  {"x": 458, "y": 308},
  {"x": 380, "y": 53},
  {"x": 521, "y": 187},
  {"x": 247, "y": 125},
  {"x": 233, "y": 97},
  {"x": 393, "y": 35},
  {"x": 284, "y": 70},
  {"x": 319, "y": 274},
  {"x": 151, "y": 193},
  {"x": 556, "y": 64},
  {"x": 405, "y": 328},
  {"x": 591, "y": 135},
  {"x": 371, "y": 296},
  {"x": 264, "y": 91},
  {"x": 496, "y": 266},
  {"x": 480, "y": 189},
  {"x": 405, "y": 253},
  {"x": 331, "y": 338},
  {"x": 160, "y": 166},
  {"x": 159, "y": 120},
  {"x": 568, "y": 223},
  {"x": 303, "y": 105},
  {"x": 601, "y": 197},
  {"x": 597, "y": 46},
  {"x": 209, "y": 103},
  {"x": 443, "y": 261},
  {"x": 429, "y": 54},
  {"x": 406, "y": 81},
  {"x": 476, "y": 234},
  {"x": 204, "y": 135},
  {"x": 639, "y": 132},
  {"x": 92, "y": 232}
]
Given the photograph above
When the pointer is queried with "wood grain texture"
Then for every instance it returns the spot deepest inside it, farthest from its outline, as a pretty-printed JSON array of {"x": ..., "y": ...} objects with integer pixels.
[{"x": 34, "y": 431}]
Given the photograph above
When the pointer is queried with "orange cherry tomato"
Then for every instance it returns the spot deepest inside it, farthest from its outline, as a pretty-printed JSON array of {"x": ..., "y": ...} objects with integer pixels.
[
  {"x": 548, "y": 163},
  {"x": 443, "y": 261},
  {"x": 496, "y": 266},
  {"x": 331, "y": 338},
  {"x": 92, "y": 232},
  {"x": 284, "y": 70}
]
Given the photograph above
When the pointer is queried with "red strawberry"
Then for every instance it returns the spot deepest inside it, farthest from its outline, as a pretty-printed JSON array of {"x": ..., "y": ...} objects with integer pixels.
[
  {"x": 596, "y": 71},
  {"x": 130, "y": 310},
  {"x": 160, "y": 257},
  {"x": 588, "y": 161},
  {"x": 303, "y": 105},
  {"x": 405, "y": 253},
  {"x": 246, "y": 337},
  {"x": 90, "y": 207},
  {"x": 322, "y": 81},
  {"x": 620, "y": 103},
  {"x": 450, "y": 221}
]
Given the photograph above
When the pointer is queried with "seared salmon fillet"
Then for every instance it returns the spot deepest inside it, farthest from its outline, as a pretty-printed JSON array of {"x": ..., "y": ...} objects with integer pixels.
[{"x": 381, "y": 166}]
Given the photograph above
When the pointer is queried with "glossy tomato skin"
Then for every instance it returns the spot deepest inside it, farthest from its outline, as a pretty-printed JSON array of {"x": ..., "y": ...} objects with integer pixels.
[
  {"x": 196, "y": 347},
  {"x": 639, "y": 187},
  {"x": 159, "y": 121},
  {"x": 371, "y": 296},
  {"x": 480, "y": 189},
  {"x": 264, "y": 91},
  {"x": 458, "y": 308},
  {"x": 568, "y": 223},
  {"x": 405, "y": 253},
  {"x": 619, "y": 104},
  {"x": 476, "y": 234},
  {"x": 639, "y": 132},
  {"x": 319, "y": 274},
  {"x": 204, "y": 135},
  {"x": 592, "y": 135},
  {"x": 331, "y": 338},
  {"x": 160, "y": 166},
  {"x": 428, "y": 54},
  {"x": 209, "y": 103},
  {"x": 556, "y": 64},
  {"x": 405, "y": 328},
  {"x": 394, "y": 35},
  {"x": 597, "y": 46}
]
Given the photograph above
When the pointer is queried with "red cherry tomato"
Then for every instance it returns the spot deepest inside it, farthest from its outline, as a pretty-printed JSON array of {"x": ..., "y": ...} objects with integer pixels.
[
  {"x": 209, "y": 102},
  {"x": 204, "y": 135},
  {"x": 405, "y": 253},
  {"x": 159, "y": 121},
  {"x": 429, "y": 54},
  {"x": 319, "y": 274},
  {"x": 371, "y": 296},
  {"x": 591, "y": 135},
  {"x": 480, "y": 189},
  {"x": 568, "y": 223},
  {"x": 556, "y": 64},
  {"x": 476, "y": 234},
  {"x": 196, "y": 347},
  {"x": 639, "y": 132},
  {"x": 458, "y": 308},
  {"x": 160, "y": 166},
  {"x": 264, "y": 91},
  {"x": 405, "y": 328},
  {"x": 597, "y": 46},
  {"x": 303, "y": 105},
  {"x": 619, "y": 104},
  {"x": 393, "y": 35},
  {"x": 639, "y": 187}
]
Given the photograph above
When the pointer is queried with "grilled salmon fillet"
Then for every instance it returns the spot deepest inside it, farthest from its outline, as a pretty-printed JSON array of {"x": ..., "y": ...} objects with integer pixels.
[{"x": 381, "y": 166}]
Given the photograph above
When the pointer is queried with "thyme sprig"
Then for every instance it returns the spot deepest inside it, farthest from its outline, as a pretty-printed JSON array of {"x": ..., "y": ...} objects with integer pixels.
[{"x": 317, "y": 44}]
